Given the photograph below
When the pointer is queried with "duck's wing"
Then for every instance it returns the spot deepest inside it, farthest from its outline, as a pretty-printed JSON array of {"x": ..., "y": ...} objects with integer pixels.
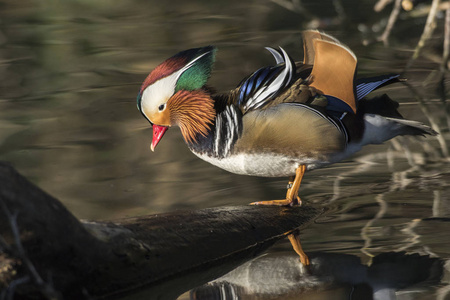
[
  {"x": 308, "y": 37},
  {"x": 264, "y": 85},
  {"x": 334, "y": 71},
  {"x": 366, "y": 85},
  {"x": 333, "y": 75},
  {"x": 291, "y": 130}
]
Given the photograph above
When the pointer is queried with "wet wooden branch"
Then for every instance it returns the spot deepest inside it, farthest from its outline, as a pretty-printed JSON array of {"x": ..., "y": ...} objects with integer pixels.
[{"x": 154, "y": 256}]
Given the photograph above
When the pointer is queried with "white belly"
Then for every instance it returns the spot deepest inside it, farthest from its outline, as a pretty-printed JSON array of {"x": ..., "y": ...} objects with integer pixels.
[{"x": 263, "y": 165}]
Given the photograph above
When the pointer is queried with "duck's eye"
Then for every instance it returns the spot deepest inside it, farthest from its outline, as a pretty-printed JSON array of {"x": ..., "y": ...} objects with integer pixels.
[{"x": 161, "y": 107}]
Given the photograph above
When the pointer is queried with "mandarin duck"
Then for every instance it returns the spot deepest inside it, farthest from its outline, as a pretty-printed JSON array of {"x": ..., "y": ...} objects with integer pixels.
[{"x": 282, "y": 120}]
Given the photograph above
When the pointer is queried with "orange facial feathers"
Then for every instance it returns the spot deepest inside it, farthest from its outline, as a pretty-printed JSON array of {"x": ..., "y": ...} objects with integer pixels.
[{"x": 193, "y": 111}]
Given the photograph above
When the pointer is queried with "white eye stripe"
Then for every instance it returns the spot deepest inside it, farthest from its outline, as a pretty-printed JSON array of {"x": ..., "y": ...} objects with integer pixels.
[{"x": 158, "y": 92}]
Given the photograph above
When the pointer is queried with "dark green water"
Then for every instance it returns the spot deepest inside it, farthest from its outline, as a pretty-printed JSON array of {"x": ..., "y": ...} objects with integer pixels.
[{"x": 70, "y": 72}]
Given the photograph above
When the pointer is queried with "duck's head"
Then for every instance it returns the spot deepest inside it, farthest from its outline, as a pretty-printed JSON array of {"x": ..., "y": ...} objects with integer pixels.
[{"x": 173, "y": 94}]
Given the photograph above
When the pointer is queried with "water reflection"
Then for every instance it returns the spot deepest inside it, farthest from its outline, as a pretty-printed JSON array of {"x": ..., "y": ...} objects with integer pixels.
[
  {"x": 376, "y": 222},
  {"x": 330, "y": 276}
]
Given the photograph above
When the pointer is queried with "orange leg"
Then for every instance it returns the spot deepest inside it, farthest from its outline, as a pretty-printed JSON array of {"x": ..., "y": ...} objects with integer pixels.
[
  {"x": 295, "y": 242},
  {"x": 292, "y": 197}
]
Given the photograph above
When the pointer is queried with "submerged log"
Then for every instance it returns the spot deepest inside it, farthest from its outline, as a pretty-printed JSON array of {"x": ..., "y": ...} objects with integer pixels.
[{"x": 45, "y": 252}]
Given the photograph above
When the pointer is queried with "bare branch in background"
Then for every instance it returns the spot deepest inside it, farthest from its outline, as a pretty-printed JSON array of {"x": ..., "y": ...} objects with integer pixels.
[
  {"x": 424, "y": 10},
  {"x": 340, "y": 10},
  {"x": 381, "y": 4},
  {"x": 8, "y": 293},
  {"x": 295, "y": 6},
  {"x": 432, "y": 119},
  {"x": 427, "y": 32},
  {"x": 391, "y": 22},
  {"x": 407, "y": 5},
  {"x": 446, "y": 52},
  {"x": 444, "y": 67}
]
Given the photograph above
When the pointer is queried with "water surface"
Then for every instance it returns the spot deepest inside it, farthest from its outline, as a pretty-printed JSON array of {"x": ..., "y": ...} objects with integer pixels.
[{"x": 71, "y": 71}]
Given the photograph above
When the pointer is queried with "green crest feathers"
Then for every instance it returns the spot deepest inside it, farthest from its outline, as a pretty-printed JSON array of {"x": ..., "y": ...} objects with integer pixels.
[{"x": 198, "y": 68}]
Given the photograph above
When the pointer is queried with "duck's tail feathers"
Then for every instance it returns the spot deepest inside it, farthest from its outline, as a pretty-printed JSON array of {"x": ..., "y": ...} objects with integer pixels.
[
  {"x": 382, "y": 121},
  {"x": 385, "y": 107},
  {"x": 410, "y": 127},
  {"x": 379, "y": 129}
]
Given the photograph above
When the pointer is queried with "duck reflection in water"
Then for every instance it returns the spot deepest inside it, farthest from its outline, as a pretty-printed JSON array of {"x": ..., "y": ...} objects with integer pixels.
[{"x": 331, "y": 276}]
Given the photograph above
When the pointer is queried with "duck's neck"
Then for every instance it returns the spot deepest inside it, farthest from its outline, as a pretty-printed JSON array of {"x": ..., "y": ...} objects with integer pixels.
[
  {"x": 222, "y": 133},
  {"x": 193, "y": 112}
]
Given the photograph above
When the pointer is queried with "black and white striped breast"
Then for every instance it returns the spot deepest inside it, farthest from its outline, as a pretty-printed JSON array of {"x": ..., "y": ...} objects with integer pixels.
[
  {"x": 227, "y": 130},
  {"x": 222, "y": 136}
]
